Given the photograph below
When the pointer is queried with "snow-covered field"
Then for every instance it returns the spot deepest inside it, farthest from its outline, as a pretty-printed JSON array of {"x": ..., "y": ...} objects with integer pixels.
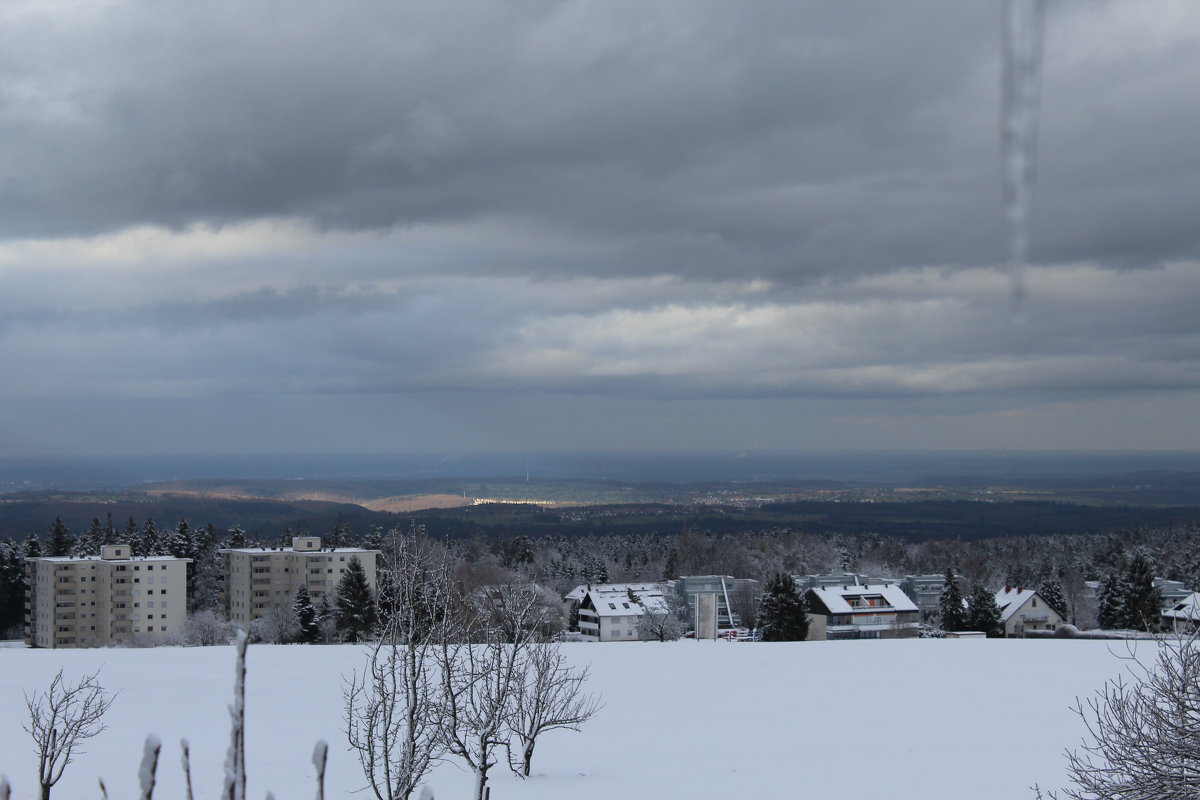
[{"x": 904, "y": 720}]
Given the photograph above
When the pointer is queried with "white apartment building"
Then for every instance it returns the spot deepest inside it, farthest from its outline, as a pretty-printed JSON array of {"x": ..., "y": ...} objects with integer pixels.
[
  {"x": 258, "y": 579},
  {"x": 98, "y": 601}
]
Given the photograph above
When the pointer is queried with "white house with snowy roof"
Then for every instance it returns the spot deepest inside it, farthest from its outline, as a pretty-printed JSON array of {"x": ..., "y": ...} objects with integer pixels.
[
  {"x": 1024, "y": 610},
  {"x": 861, "y": 611},
  {"x": 609, "y": 612},
  {"x": 1184, "y": 616}
]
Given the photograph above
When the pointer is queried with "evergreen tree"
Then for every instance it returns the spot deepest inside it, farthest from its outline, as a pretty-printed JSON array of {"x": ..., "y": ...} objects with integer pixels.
[
  {"x": 61, "y": 541},
  {"x": 179, "y": 544},
  {"x": 1143, "y": 601},
  {"x": 783, "y": 614},
  {"x": 1052, "y": 592},
  {"x": 954, "y": 615},
  {"x": 12, "y": 587},
  {"x": 306, "y": 616},
  {"x": 326, "y": 620},
  {"x": 89, "y": 543},
  {"x": 32, "y": 548},
  {"x": 340, "y": 535},
  {"x": 374, "y": 538},
  {"x": 235, "y": 537},
  {"x": 109, "y": 534},
  {"x": 982, "y": 612},
  {"x": 130, "y": 535},
  {"x": 150, "y": 541},
  {"x": 354, "y": 605},
  {"x": 1113, "y": 613}
]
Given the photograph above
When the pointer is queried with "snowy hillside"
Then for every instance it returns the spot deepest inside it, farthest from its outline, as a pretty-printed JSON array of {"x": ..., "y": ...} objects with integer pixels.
[{"x": 898, "y": 720}]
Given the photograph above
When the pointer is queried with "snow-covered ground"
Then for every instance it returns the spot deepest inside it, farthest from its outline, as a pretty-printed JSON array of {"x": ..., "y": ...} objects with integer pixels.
[{"x": 902, "y": 720}]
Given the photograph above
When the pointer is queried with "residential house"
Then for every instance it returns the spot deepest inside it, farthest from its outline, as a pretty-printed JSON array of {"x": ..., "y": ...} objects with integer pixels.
[
  {"x": 861, "y": 611},
  {"x": 1023, "y": 610},
  {"x": 1184, "y": 616},
  {"x": 610, "y": 612},
  {"x": 99, "y": 601}
]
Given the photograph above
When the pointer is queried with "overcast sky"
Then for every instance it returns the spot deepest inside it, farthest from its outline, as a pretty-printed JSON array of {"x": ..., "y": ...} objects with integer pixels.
[{"x": 258, "y": 227}]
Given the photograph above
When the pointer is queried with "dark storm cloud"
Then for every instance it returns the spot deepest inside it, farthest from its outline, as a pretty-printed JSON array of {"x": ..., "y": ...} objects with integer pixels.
[
  {"x": 706, "y": 138},
  {"x": 636, "y": 223}
]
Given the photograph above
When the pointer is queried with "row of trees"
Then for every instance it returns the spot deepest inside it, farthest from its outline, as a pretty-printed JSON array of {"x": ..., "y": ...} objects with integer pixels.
[{"x": 559, "y": 563}]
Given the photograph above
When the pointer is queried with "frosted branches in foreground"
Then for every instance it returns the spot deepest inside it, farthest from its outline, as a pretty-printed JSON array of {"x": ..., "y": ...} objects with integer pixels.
[{"x": 1143, "y": 732}]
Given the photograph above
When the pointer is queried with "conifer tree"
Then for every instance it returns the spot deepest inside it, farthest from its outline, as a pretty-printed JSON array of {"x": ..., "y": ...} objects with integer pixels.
[
  {"x": 1052, "y": 592},
  {"x": 954, "y": 616},
  {"x": 1143, "y": 601},
  {"x": 339, "y": 536},
  {"x": 61, "y": 543},
  {"x": 151, "y": 541},
  {"x": 326, "y": 620},
  {"x": 306, "y": 616},
  {"x": 32, "y": 548},
  {"x": 374, "y": 538},
  {"x": 982, "y": 612},
  {"x": 783, "y": 614},
  {"x": 130, "y": 533},
  {"x": 235, "y": 537},
  {"x": 354, "y": 605},
  {"x": 12, "y": 587},
  {"x": 109, "y": 533},
  {"x": 89, "y": 543},
  {"x": 179, "y": 543},
  {"x": 1113, "y": 613}
]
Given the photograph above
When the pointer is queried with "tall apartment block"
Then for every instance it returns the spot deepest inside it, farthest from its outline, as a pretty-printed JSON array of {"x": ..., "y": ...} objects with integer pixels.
[
  {"x": 99, "y": 601},
  {"x": 259, "y": 579}
]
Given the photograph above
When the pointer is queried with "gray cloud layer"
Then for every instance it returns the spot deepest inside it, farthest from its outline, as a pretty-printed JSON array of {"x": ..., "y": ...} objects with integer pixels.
[{"x": 694, "y": 213}]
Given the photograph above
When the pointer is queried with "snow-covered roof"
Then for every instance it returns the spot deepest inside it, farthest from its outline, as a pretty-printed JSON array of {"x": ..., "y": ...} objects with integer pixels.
[
  {"x": 576, "y": 594},
  {"x": 121, "y": 560},
  {"x": 264, "y": 550},
  {"x": 612, "y": 599},
  {"x": 863, "y": 598},
  {"x": 1189, "y": 609},
  {"x": 1010, "y": 600}
]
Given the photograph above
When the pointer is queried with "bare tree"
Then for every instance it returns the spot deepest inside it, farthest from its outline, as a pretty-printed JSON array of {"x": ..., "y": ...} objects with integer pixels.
[
  {"x": 745, "y": 602},
  {"x": 478, "y": 682},
  {"x": 662, "y": 617},
  {"x": 516, "y": 612},
  {"x": 1143, "y": 732},
  {"x": 278, "y": 625},
  {"x": 60, "y": 720},
  {"x": 205, "y": 628},
  {"x": 393, "y": 709},
  {"x": 548, "y": 695},
  {"x": 393, "y": 718}
]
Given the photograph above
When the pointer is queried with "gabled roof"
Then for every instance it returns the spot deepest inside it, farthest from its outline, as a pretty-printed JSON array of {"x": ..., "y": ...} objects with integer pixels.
[
  {"x": 838, "y": 599},
  {"x": 1188, "y": 609},
  {"x": 1010, "y": 600},
  {"x": 612, "y": 599}
]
